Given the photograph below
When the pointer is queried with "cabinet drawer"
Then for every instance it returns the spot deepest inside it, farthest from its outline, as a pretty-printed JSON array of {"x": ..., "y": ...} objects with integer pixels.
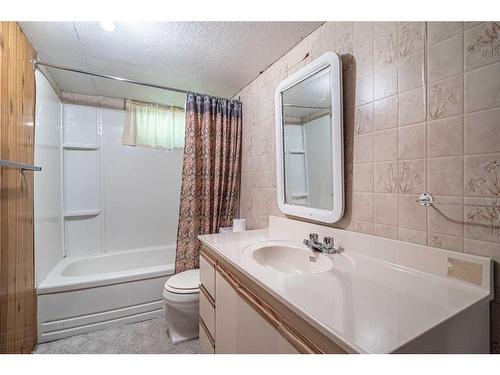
[
  {"x": 207, "y": 274},
  {"x": 207, "y": 311},
  {"x": 206, "y": 343}
]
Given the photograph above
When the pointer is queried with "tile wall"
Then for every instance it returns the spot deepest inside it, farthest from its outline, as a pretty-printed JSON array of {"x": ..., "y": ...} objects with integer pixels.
[{"x": 422, "y": 113}]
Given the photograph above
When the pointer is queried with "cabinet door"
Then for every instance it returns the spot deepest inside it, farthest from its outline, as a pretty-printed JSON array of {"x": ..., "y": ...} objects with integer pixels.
[
  {"x": 240, "y": 329},
  {"x": 207, "y": 276}
]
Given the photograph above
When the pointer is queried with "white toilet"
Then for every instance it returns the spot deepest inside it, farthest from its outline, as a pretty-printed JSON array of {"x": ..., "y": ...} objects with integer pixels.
[{"x": 180, "y": 305}]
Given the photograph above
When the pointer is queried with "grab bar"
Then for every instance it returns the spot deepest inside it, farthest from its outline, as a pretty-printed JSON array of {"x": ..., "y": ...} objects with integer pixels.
[{"x": 21, "y": 166}]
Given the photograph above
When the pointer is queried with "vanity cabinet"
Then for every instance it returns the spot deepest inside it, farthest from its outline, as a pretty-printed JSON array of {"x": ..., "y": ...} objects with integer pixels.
[
  {"x": 228, "y": 324},
  {"x": 240, "y": 329},
  {"x": 235, "y": 318}
]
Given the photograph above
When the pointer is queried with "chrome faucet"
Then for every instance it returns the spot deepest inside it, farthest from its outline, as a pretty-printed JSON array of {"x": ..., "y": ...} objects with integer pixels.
[{"x": 326, "y": 247}]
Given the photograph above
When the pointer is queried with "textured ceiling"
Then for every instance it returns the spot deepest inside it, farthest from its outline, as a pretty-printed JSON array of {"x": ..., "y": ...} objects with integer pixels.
[{"x": 217, "y": 58}]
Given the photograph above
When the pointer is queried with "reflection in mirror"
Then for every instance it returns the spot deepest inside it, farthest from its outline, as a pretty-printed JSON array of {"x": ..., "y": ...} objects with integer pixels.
[{"x": 307, "y": 142}]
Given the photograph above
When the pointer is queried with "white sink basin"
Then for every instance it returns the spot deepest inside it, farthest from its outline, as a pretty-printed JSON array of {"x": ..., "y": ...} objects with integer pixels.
[{"x": 289, "y": 259}]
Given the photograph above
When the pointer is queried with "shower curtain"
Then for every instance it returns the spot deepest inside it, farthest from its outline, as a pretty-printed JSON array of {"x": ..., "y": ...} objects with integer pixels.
[{"x": 211, "y": 173}]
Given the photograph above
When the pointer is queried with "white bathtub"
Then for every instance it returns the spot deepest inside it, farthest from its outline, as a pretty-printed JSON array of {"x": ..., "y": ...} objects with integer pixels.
[{"x": 84, "y": 294}]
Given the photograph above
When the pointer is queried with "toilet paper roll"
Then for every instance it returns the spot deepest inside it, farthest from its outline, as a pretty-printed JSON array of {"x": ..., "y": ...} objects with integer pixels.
[{"x": 239, "y": 225}]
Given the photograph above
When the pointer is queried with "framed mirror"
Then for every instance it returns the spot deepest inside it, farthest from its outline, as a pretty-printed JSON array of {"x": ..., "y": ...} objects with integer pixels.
[{"x": 309, "y": 141}]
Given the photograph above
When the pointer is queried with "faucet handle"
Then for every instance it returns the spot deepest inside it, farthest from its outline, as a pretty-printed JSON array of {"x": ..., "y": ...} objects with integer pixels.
[
  {"x": 313, "y": 237},
  {"x": 329, "y": 241}
]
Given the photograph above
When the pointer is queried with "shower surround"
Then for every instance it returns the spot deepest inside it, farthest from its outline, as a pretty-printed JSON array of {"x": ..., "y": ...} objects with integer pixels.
[
  {"x": 102, "y": 257},
  {"x": 421, "y": 112}
]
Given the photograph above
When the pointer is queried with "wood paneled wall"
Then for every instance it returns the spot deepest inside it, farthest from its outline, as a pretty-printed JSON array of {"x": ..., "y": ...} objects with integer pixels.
[{"x": 17, "y": 115}]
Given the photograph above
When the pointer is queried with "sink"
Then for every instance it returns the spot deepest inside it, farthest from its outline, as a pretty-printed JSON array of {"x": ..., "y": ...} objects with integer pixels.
[{"x": 289, "y": 258}]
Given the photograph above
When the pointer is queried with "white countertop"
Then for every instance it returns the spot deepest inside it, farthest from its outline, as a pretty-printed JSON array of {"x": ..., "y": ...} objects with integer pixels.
[{"x": 375, "y": 307}]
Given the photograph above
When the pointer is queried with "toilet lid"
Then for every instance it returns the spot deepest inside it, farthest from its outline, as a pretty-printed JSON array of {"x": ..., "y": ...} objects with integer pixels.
[{"x": 184, "y": 282}]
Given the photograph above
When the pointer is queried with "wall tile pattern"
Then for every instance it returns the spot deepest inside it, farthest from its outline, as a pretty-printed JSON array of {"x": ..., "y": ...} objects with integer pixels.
[{"x": 421, "y": 113}]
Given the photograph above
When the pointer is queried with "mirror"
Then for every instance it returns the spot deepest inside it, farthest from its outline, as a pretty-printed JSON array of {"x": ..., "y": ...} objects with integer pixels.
[{"x": 309, "y": 141}]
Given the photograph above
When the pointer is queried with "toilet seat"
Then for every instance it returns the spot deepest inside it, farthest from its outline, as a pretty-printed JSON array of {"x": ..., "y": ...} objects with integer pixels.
[{"x": 187, "y": 282}]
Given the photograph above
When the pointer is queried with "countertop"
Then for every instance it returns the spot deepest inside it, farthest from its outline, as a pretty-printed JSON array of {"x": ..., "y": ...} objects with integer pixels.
[{"x": 374, "y": 307}]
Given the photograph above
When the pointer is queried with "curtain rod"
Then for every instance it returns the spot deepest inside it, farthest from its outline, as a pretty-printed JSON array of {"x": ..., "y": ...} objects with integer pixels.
[{"x": 116, "y": 78}]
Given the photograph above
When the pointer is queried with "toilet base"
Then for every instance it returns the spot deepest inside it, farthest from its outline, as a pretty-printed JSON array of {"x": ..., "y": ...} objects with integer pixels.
[
  {"x": 175, "y": 338},
  {"x": 182, "y": 319}
]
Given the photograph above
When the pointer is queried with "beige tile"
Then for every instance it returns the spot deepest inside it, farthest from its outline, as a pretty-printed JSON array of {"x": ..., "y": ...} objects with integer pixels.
[
  {"x": 446, "y": 98},
  {"x": 414, "y": 236},
  {"x": 446, "y": 176},
  {"x": 385, "y": 145},
  {"x": 362, "y": 206},
  {"x": 405, "y": 177},
  {"x": 386, "y": 231},
  {"x": 385, "y": 114},
  {"x": 364, "y": 90},
  {"x": 445, "y": 137},
  {"x": 483, "y": 88},
  {"x": 411, "y": 107},
  {"x": 363, "y": 227},
  {"x": 379, "y": 28},
  {"x": 363, "y": 34},
  {"x": 412, "y": 141},
  {"x": 269, "y": 179},
  {"x": 410, "y": 37},
  {"x": 483, "y": 248},
  {"x": 439, "y": 31},
  {"x": 363, "y": 148},
  {"x": 386, "y": 209},
  {"x": 364, "y": 60},
  {"x": 363, "y": 177},
  {"x": 294, "y": 59},
  {"x": 481, "y": 176},
  {"x": 482, "y": 223},
  {"x": 246, "y": 180},
  {"x": 385, "y": 44},
  {"x": 410, "y": 71},
  {"x": 411, "y": 214},
  {"x": 386, "y": 178},
  {"x": 482, "y": 132},
  {"x": 446, "y": 58},
  {"x": 443, "y": 241},
  {"x": 385, "y": 82},
  {"x": 447, "y": 218},
  {"x": 482, "y": 47},
  {"x": 468, "y": 25},
  {"x": 344, "y": 37},
  {"x": 363, "y": 119},
  {"x": 411, "y": 176}
]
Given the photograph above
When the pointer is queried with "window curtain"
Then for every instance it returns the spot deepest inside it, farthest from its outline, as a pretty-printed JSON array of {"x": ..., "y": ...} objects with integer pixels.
[
  {"x": 211, "y": 173},
  {"x": 153, "y": 125}
]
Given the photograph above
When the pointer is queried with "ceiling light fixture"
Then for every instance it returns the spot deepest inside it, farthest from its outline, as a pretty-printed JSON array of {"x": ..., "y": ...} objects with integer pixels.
[{"x": 107, "y": 25}]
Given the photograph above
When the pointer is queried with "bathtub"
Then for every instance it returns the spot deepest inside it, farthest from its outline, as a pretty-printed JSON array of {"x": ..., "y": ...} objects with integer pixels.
[{"x": 88, "y": 293}]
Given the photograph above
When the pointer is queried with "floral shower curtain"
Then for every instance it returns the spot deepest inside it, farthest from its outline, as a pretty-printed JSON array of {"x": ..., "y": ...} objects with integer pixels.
[{"x": 211, "y": 173}]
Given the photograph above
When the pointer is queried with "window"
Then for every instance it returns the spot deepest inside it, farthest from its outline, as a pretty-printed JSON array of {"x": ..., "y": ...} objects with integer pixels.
[{"x": 153, "y": 125}]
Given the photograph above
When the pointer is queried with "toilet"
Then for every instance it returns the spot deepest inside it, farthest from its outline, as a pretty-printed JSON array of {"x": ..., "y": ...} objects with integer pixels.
[{"x": 180, "y": 305}]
